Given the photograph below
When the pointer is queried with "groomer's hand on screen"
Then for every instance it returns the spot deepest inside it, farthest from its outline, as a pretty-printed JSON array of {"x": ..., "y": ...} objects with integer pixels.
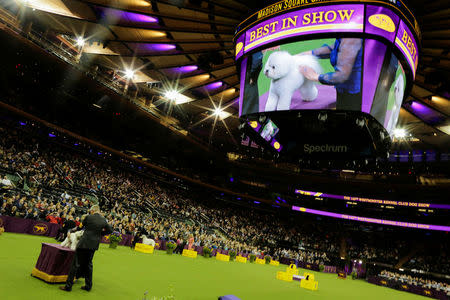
[{"x": 309, "y": 73}]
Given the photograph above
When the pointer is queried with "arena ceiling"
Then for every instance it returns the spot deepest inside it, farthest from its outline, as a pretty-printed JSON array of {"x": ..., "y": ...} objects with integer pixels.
[{"x": 186, "y": 46}]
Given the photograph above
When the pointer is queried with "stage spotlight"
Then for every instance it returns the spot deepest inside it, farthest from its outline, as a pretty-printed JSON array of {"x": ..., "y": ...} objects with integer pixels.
[
  {"x": 219, "y": 112},
  {"x": 80, "y": 41},
  {"x": 129, "y": 74},
  {"x": 172, "y": 95},
  {"x": 176, "y": 97},
  {"x": 399, "y": 133}
]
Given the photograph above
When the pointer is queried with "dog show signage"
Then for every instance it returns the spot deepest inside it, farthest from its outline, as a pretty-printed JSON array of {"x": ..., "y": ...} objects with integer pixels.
[
  {"x": 371, "y": 220},
  {"x": 28, "y": 226},
  {"x": 408, "y": 46},
  {"x": 40, "y": 228},
  {"x": 336, "y": 18},
  {"x": 317, "y": 17}
]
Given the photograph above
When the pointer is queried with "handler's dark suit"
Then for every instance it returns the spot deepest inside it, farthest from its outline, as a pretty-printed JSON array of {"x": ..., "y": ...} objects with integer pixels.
[{"x": 94, "y": 227}]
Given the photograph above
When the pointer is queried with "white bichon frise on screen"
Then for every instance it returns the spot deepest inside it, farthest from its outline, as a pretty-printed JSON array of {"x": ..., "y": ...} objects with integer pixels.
[
  {"x": 72, "y": 239},
  {"x": 283, "y": 69},
  {"x": 399, "y": 91},
  {"x": 267, "y": 131}
]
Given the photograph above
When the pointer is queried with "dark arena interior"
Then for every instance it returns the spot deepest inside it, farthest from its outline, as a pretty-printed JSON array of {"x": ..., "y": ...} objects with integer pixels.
[{"x": 224, "y": 149}]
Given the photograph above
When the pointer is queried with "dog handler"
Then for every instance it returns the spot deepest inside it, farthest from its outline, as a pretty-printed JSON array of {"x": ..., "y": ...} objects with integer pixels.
[
  {"x": 346, "y": 58},
  {"x": 95, "y": 226}
]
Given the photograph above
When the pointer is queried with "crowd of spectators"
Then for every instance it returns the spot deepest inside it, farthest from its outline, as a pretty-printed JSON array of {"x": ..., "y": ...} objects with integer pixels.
[
  {"x": 137, "y": 204},
  {"x": 416, "y": 281},
  {"x": 439, "y": 263}
]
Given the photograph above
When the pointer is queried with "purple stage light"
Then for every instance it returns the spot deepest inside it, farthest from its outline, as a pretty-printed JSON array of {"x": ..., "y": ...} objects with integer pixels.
[
  {"x": 426, "y": 113},
  {"x": 183, "y": 69},
  {"x": 121, "y": 16},
  {"x": 143, "y": 48},
  {"x": 371, "y": 220},
  {"x": 186, "y": 69},
  {"x": 76, "y": 144},
  {"x": 231, "y": 179},
  {"x": 420, "y": 108},
  {"x": 256, "y": 202},
  {"x": 51, "y": 135},
  {"x": 214, "y": 85},
  {"x": 22, "y": 123},
  {"x": 156, "y": 47}
]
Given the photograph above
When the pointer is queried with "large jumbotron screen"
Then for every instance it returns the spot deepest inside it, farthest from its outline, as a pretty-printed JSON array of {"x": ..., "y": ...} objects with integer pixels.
[{"x": 313, "y": 55}]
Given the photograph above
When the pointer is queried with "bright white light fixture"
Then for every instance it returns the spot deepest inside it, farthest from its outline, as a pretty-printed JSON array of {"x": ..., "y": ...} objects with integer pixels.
[
  {"x": 399, "y": 133},
  {"x": 129, "y": 74},
  {"x": 176, "y": 97},
  {"x": 80, "y": 41},
  {"x": 221, "y": 113}
]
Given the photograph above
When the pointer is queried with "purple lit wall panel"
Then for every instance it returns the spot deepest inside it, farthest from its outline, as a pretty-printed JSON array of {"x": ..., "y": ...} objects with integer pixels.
[
  {"x": 427, "y": 114},
  {"x": 371, "y": 220},
  {"x": 321, "y": 19},
  {"x": 381, "y": 21}
]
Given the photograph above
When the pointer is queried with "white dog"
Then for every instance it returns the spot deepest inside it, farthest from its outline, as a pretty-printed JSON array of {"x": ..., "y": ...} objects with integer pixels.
[
  {"x": 147, "y": 241},
  {"x": 283, "y": 69},
  {"x": 72, "y": 239},
  {"x": 268, "y": 131},
  {"x": 399, "y": 90}
]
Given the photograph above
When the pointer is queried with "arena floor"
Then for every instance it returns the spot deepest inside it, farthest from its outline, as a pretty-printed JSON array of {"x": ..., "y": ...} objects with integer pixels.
[{"x": 126, "y": 274}]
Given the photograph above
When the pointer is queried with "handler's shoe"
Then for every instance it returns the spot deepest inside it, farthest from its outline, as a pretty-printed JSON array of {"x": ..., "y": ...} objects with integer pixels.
[
  {"x": 64, "y": 288},
  {"x": 85, "y": 288}
]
